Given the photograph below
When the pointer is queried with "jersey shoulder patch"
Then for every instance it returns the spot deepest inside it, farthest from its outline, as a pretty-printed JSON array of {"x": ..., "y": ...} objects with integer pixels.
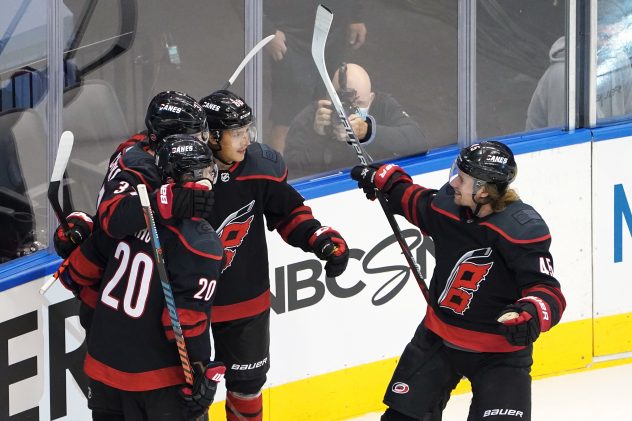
[
  {"x": 138, "y": 162},
  {"x": 199, "y": 237},
  {"x": 263, "y": 162},
  {"x": 519, "y": 223}
]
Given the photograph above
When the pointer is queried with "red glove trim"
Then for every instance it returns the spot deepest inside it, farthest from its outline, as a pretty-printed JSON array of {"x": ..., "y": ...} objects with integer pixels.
[
  {"x": 544, "y": 313},
  {"x": 385, "y": 172}
]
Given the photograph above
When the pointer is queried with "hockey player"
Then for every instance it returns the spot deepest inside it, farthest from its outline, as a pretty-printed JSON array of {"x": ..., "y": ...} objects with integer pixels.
[
  {"x": 132, "y": 358},
  {"x": 169, "y": 112},
  {"x": 133, "y": 162},
  {"x": 492, "y": 291},
  {"x": 252, "y": 185}
]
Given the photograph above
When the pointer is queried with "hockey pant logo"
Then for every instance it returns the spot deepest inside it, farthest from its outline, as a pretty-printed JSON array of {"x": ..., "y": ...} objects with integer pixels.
[
  {"x": 400, "y": 388},
  {"x": 465, "y": 279}
]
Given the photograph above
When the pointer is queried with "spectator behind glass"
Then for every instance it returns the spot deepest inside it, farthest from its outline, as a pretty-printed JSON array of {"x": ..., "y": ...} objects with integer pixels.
[
  {"x": 294, "y": 78},
  {"x": 614, "y": 75},
  {"x": 317, "y": 142}
]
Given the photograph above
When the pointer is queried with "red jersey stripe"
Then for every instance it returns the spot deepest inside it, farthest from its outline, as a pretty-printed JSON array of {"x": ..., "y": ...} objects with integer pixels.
[
  {"x": 468, "y": 339},
  {"x": 246, "y": 308},
  {"x": 133, "y": 382}
]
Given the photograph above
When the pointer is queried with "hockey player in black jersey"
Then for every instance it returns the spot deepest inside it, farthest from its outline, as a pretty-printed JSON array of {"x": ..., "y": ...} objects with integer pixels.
[
  {"x": 169, "y": 112},
  {"x": 132, "y": 358},
  {"x": 252, "y": 194},
  {"x": 491, "y": 294}
]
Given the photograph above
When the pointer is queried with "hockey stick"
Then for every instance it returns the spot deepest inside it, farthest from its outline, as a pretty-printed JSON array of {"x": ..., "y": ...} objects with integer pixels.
[
  {"x": 61, "y": 161},
  {"x": 164, "y": 282},
  {"x": 63, "y": 155},
  {"x": 246, "y": 59},
  {"x": 324, "y": 17}
]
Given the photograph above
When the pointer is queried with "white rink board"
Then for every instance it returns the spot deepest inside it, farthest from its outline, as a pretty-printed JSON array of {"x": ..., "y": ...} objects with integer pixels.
[
  {"x": 336, "y": 333},
  {"x": 25, "y": 319},
  {"x": 613, "y": 280}
]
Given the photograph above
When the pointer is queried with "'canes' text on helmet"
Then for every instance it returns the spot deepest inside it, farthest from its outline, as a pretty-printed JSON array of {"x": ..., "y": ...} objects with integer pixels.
[
  {"x": 184, "y": 158},
  {"x": 173, "y": 112},
  {"x": 489, "y": 161},
  {"x": 224, "y": 111}
]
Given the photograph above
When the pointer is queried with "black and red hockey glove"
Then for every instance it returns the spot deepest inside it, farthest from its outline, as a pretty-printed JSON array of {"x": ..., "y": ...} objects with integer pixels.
[
  {"x": 531, "y": 316},
  {"x": 188, "y": 200},
  {"x": 378, "y": 176},
  {"x": 67, "y": 281},
  {"x": 65, "y": 241},
  {"x": 328, "y": 244},
  {"x": 198, "y": 399}
]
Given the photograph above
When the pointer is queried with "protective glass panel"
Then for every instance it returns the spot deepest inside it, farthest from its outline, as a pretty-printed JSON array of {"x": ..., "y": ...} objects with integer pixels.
[
  {"x": 520, "y": 74},
  {"x": 124, "y": 53},
  {"x": 402, "y": 66},
  {"x": 23, "y": 134},
  {"x": 614, "y": 50}
]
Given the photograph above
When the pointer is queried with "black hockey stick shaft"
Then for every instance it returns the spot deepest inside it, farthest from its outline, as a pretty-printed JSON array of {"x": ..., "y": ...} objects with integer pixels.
[
  {"x": 164, "y": 282},
  {"x": 246, "y": 59},
  {"x": 61, "y": 161},
  {"x": 322, "y": 24}
]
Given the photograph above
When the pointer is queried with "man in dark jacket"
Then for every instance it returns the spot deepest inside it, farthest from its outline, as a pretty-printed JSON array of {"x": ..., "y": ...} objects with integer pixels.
[{"x": 317, "y": 141}]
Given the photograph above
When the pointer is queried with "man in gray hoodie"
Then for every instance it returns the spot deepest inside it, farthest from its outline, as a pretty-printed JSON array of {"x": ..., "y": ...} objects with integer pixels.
[{"x": 614, "y": 73}]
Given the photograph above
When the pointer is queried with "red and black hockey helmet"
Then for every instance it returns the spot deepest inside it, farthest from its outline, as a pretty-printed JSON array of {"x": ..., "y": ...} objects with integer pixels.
[
  {"x": 173, "y": 112},
  {"x": 183, "y": 157},
  {"x": 489, "y": 161},
  {"x": 225, "y": 111}
]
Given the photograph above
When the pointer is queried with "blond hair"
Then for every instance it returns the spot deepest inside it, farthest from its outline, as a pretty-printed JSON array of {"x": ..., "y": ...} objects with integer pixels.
[{"x": 500, "y": 201}]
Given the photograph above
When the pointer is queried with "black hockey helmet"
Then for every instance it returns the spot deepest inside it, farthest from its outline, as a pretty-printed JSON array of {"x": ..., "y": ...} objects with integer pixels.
[
  {"x": 490, "y": 162},
  {"x": 182, "y": 157},
  {"x": 173, "y": 112},
  {"x": 225, "y": 111}
]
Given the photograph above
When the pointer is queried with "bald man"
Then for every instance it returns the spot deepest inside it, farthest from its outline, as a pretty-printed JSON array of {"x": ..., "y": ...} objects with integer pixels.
[{"x": 317, "y": 142}]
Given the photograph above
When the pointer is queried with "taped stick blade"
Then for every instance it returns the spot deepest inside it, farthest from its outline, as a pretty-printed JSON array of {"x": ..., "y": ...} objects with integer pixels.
[{"x": 63, "y": 155}]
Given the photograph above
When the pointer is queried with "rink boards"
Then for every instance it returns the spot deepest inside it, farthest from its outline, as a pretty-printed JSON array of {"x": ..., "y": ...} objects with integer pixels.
[{"x": 335, "y": 342}]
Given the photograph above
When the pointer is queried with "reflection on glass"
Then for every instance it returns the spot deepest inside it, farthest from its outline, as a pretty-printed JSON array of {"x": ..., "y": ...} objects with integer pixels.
[
  {"x": 614, "y": 74},
  {"x": 512, "y": 52},
  {"x": 23, "y": 137}
]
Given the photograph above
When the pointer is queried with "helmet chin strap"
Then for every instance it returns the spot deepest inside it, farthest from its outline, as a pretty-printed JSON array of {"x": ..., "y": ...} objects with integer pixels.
[
  {"x": 217, "y": 147},
  {"x": 479, "y": 204}
]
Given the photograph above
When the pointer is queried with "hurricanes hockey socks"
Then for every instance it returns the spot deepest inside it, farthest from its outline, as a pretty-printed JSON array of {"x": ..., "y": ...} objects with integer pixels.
[{"x": 244, "y": 407}]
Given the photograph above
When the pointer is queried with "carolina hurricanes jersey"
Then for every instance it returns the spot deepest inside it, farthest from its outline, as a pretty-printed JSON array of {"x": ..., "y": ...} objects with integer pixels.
[
  {"x": 244, "y": 194},
  {"x": 121, "y": 214},
  {"x": 482, "y": 265},
  {"x": 131, "y": 342}
]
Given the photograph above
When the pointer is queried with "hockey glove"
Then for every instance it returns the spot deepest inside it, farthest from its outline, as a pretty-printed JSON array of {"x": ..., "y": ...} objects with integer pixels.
[
  {"x": 378, "y": 176},
  {"x": 523, "y": 329},
  {"x": 66, "y": 279},
  {"x": 198, "y": 399},
  {"x": 189, "y": 200},
  {"x": 65, "y": 242},
  {"x": 328, "y": 244}
]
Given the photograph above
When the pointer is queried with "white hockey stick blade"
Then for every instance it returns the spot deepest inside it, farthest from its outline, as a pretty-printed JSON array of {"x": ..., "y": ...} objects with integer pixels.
[
  {"x": 322, "y": 24},
  {"x": 63, "y": 154},
  {"x": 49, "y": 283},
  {"x": 142, "y": 193},
  {"x": 246, "y": 59},
  {"x": 321, "y": 30}
]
